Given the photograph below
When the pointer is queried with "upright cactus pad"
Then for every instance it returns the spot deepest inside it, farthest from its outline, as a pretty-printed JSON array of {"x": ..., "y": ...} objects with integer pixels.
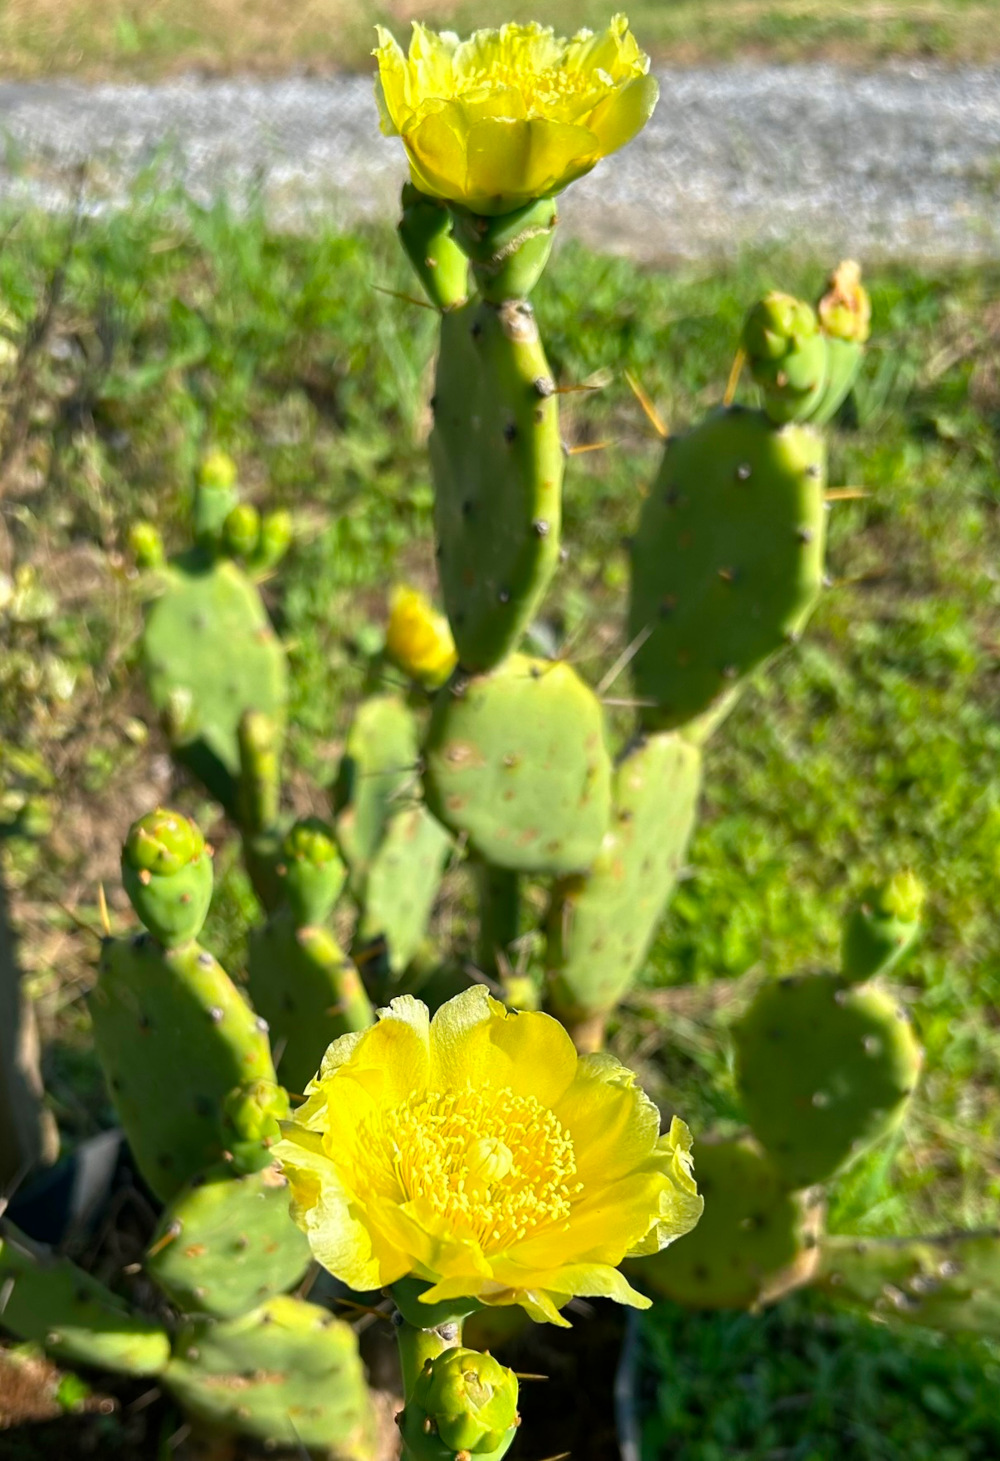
[
  {"x": 884, "y": 925},
  {"x": 174, "y": 1036},
  {"x": 209, "y": 655},
  {"x": 600, "y": 924},
  {"x": 49, "y": 1301},
  {"x": 727, "y": 560},
  {"x": 167, "y": 873},
  {"x": 377, "y": 775},
  {"x": 403, "y": 882},
  {"x": 754, "y": 1242},
  {"x": 950, "y": 1283},
  {"x": 226, "y": 1243},
  {"x": 286, "y": 1373},
  {"x": 825, "y": 1070},
  {"x": 516, "y": 761},
  {"x": 498, "y": 466},
  {"x": 308, "y": 991}
]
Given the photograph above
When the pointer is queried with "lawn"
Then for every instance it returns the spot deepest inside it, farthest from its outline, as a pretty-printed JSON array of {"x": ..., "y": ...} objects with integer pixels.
[
  {"x": 91, "y": 38},
  {"x": 871, "y": 745}
]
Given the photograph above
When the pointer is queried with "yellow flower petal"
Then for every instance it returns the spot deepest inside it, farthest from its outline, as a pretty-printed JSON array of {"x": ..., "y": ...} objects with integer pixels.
[
  {"x": 514, "y": 114},
  {"x": 476, "y": 1040},
  {"x": 613, "y": 1123}
]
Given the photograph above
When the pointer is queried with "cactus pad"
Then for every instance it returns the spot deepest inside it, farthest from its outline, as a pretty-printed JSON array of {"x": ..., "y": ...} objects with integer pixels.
[
  {"x": 174, "y": 1036},
  {"x": 727, "y": 560},
  {"x": 307, "y": 990},
  {"x": 947, "y": 1283},
  {"x": 378, "y": 769},
  {"x": 882, "y": 928},
  {"x": 516, "y": 761},
  {"x": 288, "y": 1372},
  {"x": 226, "y": 1243},
  {"x": 754, "y": 1243},
  {"x": 601, "y": 924},
  {"x": 403, "y": 882},
  {"x": 210, "y": 654},
  {"x": 53, "y": 1303},
  {"x": 825, "y": 1070},
  {"x": 498, "y": 465}
]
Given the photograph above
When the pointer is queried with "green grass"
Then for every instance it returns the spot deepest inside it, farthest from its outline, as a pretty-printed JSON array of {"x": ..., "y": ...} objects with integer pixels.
[
  {"x": 91, "y": 38},
  {"x": 873, "y": 744}
]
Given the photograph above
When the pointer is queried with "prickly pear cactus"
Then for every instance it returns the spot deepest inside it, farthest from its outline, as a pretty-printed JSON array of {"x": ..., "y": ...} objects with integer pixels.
[
  {"x": 755, "y": 1241},
  {"x": 883, "y": 927},
  {"x": 378, "y": 774},
  {"x": 947, "y": 1283},
  {"x": 287, "y": 1373},
  {"x": 825, "y": 1070},
  {"x": 788, "y": 356},
  {"x": 498, "y": 465},
  {"x": 403, "y": 882},
  {"x": 516, "y": 762},
  {"x": 167, "y": 873},
  {"x": 727, "y": 560},
  {"x": 600, "y": 923},
  {"x": 209, "y": 655},
  {"x": 52, "y": 1302},
  {"x": 226, "y": 1243},
  {"x": 463, "y": 1403}
]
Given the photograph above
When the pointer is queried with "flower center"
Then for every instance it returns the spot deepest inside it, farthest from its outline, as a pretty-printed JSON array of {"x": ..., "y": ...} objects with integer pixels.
[
  {"x": 543, "y": 91},
  {"x": 493, "y": 1165}
]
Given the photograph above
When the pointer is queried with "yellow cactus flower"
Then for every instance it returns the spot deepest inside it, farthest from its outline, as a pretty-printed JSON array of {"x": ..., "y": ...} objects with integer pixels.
[
  {"x": 478, "y": 1152},
  {"x": 418, "y": 638},
  {"x": 514, "y": 114}
]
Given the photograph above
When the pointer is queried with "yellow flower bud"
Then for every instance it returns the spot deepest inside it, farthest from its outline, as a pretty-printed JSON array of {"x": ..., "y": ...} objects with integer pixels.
[
  {"x": 514, "y": 114},
  {"x": 418, "y": 639}
]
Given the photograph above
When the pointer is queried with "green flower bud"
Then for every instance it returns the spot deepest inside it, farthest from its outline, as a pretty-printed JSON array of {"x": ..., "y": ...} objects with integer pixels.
[
  {"x": 217, "y": 470},
  {"x": 311, "y": 871},
  {"x": 250, "y": 1117},
  {"x": 508, "y": 252},
  {"x": 462, "y": 1401},
  {"x": 241, "y": 531},
  {"x": 276, "y": 533},
  {"x": 214, "y": 497},
  {"x": 146, "y": 545},
  {"x": 880, "y": 931},
  {"x": 787, "y": 353},
  {"x": 440, "y": 265},
  {"x": 167, "y": 873}
]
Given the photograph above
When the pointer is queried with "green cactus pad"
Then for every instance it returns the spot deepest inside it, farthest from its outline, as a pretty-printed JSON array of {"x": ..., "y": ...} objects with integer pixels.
[
  {"x": 948, "y": 1282},
  {"x": 516, "y": 761},
  {"x": 51, "y": 1302},
  {"x": 498, "y": 466},
  {"x": 215, "y": 495},
  {"x": 174, "y": 1036},
  {"x": 882, "y": 928},
  {"x": 727, "y": 560},
  {"x": 310, "y": 872},
  {"x": 600, "y": 925},
  {"x": 754, "y": 1243},
  {"x": 377, "y": 774},
  {"x": 307, "y": 990},
  {"x": 288, "y": 1373},
  {"x": 227, "y": 1242},
  {"x": 209, "y": 655},
  {"x": 825, "y": 1070},
  {"x": 425, "y": 233},
  {"x": 167, "y": 874},
  {"x": 403, "y": 881}
]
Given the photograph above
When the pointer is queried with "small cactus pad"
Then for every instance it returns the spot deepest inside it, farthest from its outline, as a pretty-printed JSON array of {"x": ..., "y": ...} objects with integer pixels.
[
  {"x": 948, "y": 1283},
  {"x": 51, "y": 1302},
  {"x": 600, "y": 924},
  {"x": 287, "y": 1373},
  {"x": 307, "y": 990},
  {"x": 727, "y": 560},
  {"x": 209, "y": 654},
  {"x": 174, "y": 1036},
  {"x": 167, "y": 874},
  {"x": 516, "y": 761},
  {"x": 215, "y": 495},
  {"x": 787, "y": 352},
  {"x": 825, "y": 1070},
  {"x": 882, "y": 928},
  {"x": 227, "y": 1242},
  {"x": 498, "y": 466},
  {"x": 259, "y": 738},
  {"x": 754, "y": 1243},
  {"x": 439, "y": 263},
  {"x": 378, "y": 770},
  {"x": 310, "y": 872},
  {"x": 403, "y": 882}
]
